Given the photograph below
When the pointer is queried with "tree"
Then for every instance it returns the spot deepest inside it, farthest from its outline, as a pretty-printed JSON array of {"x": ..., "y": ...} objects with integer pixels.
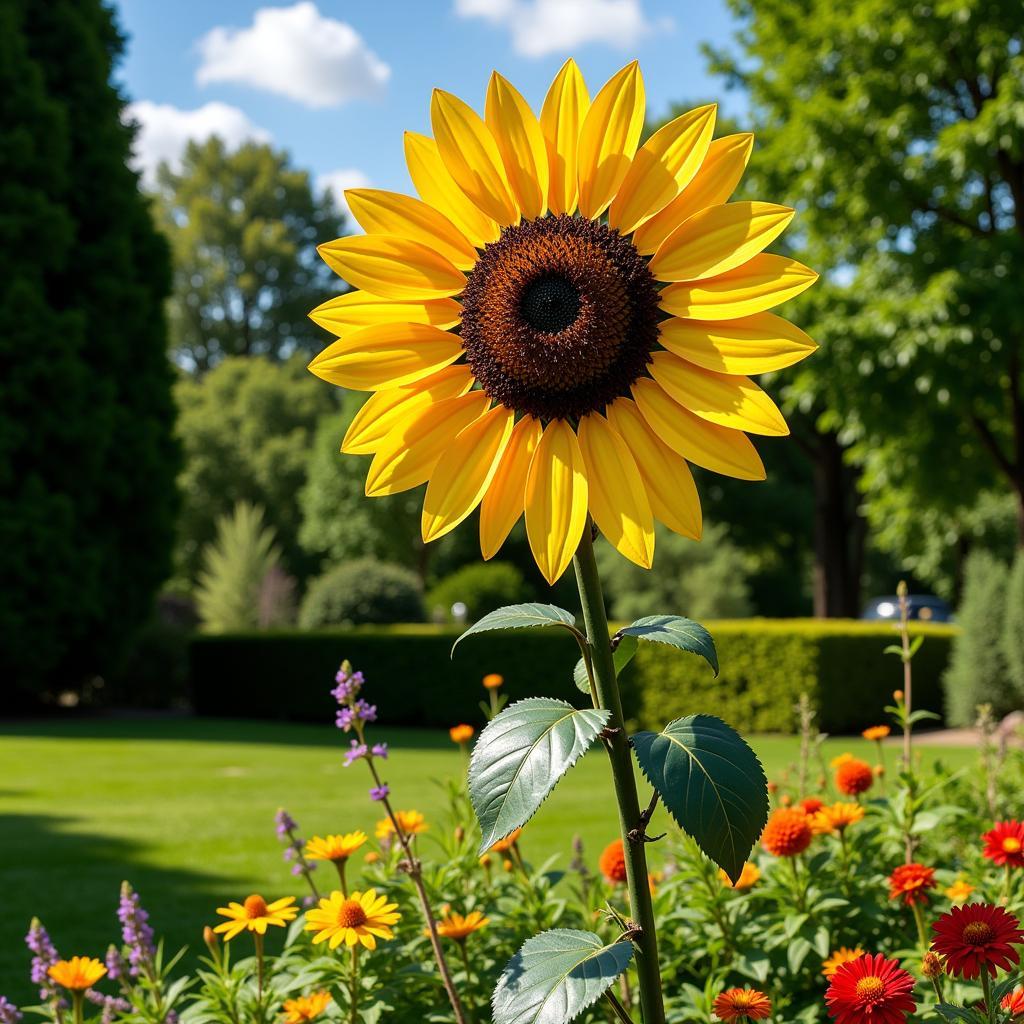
[
  {"x": 244, "y": 226},
  {"x": 87, "y": 456}
]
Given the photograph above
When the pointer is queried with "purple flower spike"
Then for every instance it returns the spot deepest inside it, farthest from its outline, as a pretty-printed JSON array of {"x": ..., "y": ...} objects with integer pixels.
[
  {"x": 379, "y": 792},
  {"x": 356, "y": 751},
  {"x": 380, "y": 750},
  {"x": 346, "y": 716},
  {"x": 44, "y": 956},
  {"x": 137, "y": 934},
  {"x": 284, "y": 823},
  {"x": 115, "y": 963},
  {"x": 365, "y": 712},
  {"x": 8, "y": 1012}
]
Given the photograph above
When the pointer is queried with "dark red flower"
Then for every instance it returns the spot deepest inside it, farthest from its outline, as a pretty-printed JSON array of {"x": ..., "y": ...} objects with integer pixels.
[
  {"x": 870, "y": 990},
  {"x": 1005, "y": 844},
  {"x": 977, "y": 936},
  {"x": 853, "y": 777},
  {"x": 912, "y": 882}
]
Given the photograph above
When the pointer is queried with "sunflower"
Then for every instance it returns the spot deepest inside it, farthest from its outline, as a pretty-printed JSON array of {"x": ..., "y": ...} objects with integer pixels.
[
  {"x": 843, "y": 955},
  {"x": 977, "y": 937},
  {"x": 739, "y": 1004},
  {"x": 256, "y": 915},
  {"x": 360, "y": 917},
  {"x": 455, "y": 926},
  {"x": 564, "y": 320},
  {"x": 412, "y": 823},
  {"x": 870, "y": 988},
  {"x": 334, "y": 847},
  {"x": 78, "y": 973},
  {"x": 306, "y": 1008}
]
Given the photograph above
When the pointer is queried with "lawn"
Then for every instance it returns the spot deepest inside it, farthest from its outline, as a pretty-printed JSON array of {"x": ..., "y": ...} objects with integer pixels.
[{"x": 184, "y": 808}]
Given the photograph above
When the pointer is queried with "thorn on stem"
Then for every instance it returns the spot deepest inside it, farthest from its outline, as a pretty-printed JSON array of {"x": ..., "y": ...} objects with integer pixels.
[{"x": 609, "y": 731}]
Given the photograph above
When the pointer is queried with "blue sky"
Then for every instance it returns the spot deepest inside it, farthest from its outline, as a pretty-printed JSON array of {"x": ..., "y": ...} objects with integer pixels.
[{"x": 337, "y": 81}]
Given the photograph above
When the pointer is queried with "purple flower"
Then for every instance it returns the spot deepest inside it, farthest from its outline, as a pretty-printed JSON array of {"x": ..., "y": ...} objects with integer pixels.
[
  {"x": 380, "y": 750},
  {"x": 348, "y": 685},
  {"x": 115, "y": 963},
  {"x": 284, "y": 823},
  {"x": 379, "y": 792},
  {"x": 365, "y": 712},
  {"x": 298, "y": 869},
  {"x": 356, "y": 751},
  {"x": 346, "y": 716},
  {"x": 44, "y": 956},
  {"x": 8, "y": 1012},
  {"x": 137, "y": 934},
  {"x": 112, "y": 1005}
]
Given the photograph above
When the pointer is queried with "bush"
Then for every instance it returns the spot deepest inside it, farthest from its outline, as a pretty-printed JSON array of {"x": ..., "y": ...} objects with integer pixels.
[
  {"x": 481, "y": 587},
  {"x": 362, "y": 591},
  {"x": 1013, "y": 627}
]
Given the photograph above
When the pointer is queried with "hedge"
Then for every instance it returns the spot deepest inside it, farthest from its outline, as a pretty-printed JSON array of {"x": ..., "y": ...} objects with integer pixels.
[{"x": 765, "y": 665}]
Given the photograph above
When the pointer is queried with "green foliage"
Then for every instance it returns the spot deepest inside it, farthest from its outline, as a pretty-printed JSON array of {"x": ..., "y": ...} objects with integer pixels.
[
  {"x": 244, "y": 226},
  {"x": 1013, "y": 627},
  {"x": 481, "y": 587},
  {"x": 87, "y": 458},
  {"x": 683, "y": 634},
  {"x": 362, "y": 591},
  {"x": 522, "y": 616}
]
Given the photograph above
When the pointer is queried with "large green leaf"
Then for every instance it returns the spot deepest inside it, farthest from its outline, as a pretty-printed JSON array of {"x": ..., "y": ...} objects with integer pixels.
[
  {"x": 622, "y": 655},
  {"x": 520, "y": 756},
  {"x": 685, "y": 634},
  {"x": 521, "y": 616},
  {"x": 556, "y": 976},
  {"x": 712, "y": 784}
]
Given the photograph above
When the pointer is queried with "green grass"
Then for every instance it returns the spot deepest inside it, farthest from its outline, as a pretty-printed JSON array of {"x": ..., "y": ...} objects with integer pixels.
[{"x": 183, "y": 808}]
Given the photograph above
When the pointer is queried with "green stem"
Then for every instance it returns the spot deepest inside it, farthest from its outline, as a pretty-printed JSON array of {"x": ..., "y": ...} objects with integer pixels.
[
  {"x": 353, "y": 987},
  {"x": 617, "y": 745},
  {"x": 799, "y": 889},
  {"x": 470, "y": 1013},
  {"x": 258, "y": 941},
  {"x": 618, "y": 1008},
  {"x": 76, "y": 1002},
  {"x": 340, "y": 865},
  {"x": 986, "y": 988},
  {"x": 921, "y": 932}
]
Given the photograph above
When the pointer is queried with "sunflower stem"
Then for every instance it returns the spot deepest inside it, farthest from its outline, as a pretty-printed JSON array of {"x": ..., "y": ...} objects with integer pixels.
[{"x": 617, "y": 744}]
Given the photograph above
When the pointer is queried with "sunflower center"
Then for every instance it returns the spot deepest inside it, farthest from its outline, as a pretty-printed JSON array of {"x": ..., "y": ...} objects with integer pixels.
[
  {"x": 559, "y": 317},
  {"x": 977, "y": 933},
  {"x": 351, "y": 914},
  {"x": 1011, "y": 845},
  {"x": 255, "y": 906},
  {"x": 871, "y": 987}
]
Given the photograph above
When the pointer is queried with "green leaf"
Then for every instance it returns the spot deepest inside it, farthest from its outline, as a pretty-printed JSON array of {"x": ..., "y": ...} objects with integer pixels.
[
  {"x": 521, "y": 616},
  {"x": 519, "y": 758},
  {"x": 712, "y": 784},
  {"x": 556, "y": 975},
  {"x": 676, "y": 631},
  {"x": 622, "y": 656}
]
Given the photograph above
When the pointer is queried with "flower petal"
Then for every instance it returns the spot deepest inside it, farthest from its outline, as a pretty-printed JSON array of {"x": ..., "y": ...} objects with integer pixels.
[
  {"x": 718, "y": 240},
  {"x": 752, "y": 344},
  {"x": 561, "y": 117},
  {"x": 382, "y": 412},
  {"x": 665, "y": 164},
  {"x": 393, "y": 267},
  {"x": 407, "y": 456},
  {"x": 618, "y": 500},
  {"x": 464, "y": 472},
  {"x": 666, "y": 476},
  {"x": 471, "y": 156},
  {"x": 437, "y": 188},
  {"x": 504, "y": 501},
  {"x": 361, "y": 309},
  {"x": 712, "y": 185},
  {"x": 520, "y": 141},
  {"x": 391, "y": 213},
  {"x": 719, "y": 449},
  {"x": 730, "y": 401},
  {"x": 761, "y": 283},
  {"x": 556, "y": 500},
  {"x": 608, "y": 139},
  {"x": 386, "y": 356}
]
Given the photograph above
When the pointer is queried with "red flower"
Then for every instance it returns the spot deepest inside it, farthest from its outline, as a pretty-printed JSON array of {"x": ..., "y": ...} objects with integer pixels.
[
  {"x": 812, "y": 805},
  {"x": 912, "y": 882},
  {"x": 742, "y": 1004},
  {"x": 870, "y": 989},
  {"x": 613, "y": 862},
  {"x": 853, "y": 777},
  {"x": 1005, "y": 844},
  {"x": 787, "y": 833},
  {"x": 1013, "y": 1002},
  {"x": 975, "y": 937}
]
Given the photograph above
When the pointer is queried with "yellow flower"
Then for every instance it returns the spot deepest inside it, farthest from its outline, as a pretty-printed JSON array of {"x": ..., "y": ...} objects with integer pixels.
[
  {"x": 749, "y": 876},
  {"x": 256, "y": 915},
  {"x": 306, "y": 1008},
  {"x": 836, "y": 817},
  {"x": 503, "y": 845},
  {"x": 959, "y": 891},
  {"x": 876, "y": 732},
  {"x": 843, "y": 955},
  {"x": 492, "y": 681},
  {"x": 455, "y": 926},
  {"x": 564, "y": 320},
  {"x": 841, "y": 759},
  {"x": 461, "y": 733},
  {"x": 360, "y": 917},
  {"x": 412, "y": 823},
  {"x": 78, "y": 973},
  {"x": 334, "y": 847}
]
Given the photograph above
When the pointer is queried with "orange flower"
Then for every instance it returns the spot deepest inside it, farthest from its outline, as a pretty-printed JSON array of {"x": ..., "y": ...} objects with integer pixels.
[
  {"x": 455, "y": 926},
  {"x": 959, "y": 891},
  {"x": 787, "y": 833},
  {"x": 412, "y": 823},
  {"x": 503, "y": 845},
  {"x": 749, "y": 877},
  {"x": 461, "y": 733},
  {"x": 78, "y": 973},
  {"x": 306, "y": 1008},
  {"x": 742, "y": 1004},
  {"x": 492, "y": 681},
  {"x": 876, "y": 732},
  {"x": 843, "y": 955},
  {"x": 1013, "y": 1002},
  {"x": 836, "y": 818},
  {"x": 613, "y": 862},
  {"x": 812, "y": 804},
  {"x": 853, "y": 777},
  {"x": 912, "y": 882}
]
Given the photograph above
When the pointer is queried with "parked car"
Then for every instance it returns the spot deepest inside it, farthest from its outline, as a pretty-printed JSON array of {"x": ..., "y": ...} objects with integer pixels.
[{"x": 926, "y": 607}]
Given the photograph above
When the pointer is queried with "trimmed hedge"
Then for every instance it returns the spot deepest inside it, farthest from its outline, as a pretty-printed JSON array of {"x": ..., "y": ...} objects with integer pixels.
[{"x": 766, "y": 664}]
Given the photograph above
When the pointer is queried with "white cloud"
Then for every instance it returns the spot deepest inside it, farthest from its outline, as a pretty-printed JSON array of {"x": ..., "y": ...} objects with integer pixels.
[
  {"x": 164, "y": 131},
  {"x": 295, "y": 52},
  {"x": 540, "y": 27},
  {"x": 336, "y": 182}
]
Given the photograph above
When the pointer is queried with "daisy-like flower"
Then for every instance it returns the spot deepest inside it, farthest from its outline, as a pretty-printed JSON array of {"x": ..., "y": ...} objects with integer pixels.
[
  {"x": 977, "y": 937},
  {"x": 493, "y": 681},
  {"x": 306, "y": 1008},
  {"x": 1013, "y": 1002},
  {"x": 461, "y": 733},
  {"x": 506, "y": 844},
  {"x": 412, "y": 823},
  {"x": 78, "y": 973},
  {"x": 911, "y": 883},
  {"x": 959, "y": 891},
  {"x": 836, "y": 817},
  {"x": 335, "y": 847},
  {"x": 787, "y": 833},
  {"x": 360, "y": 917},
  {"x": 843, "y": 955},
  {"x": 612, "y": 862},
  {"x": 870, "y": 988},
  {"x": 256, "y": 915},
  {"x": 455, "y": 926},
  {"x": 1004, "y": 845},
  {"x": 750, "y": 875},
  {"x": 739, "y": 1004},
  {"x": 564, "y": 320},
  {"x": 876, "y": 732},
  {"x": 854, "y": 776}
]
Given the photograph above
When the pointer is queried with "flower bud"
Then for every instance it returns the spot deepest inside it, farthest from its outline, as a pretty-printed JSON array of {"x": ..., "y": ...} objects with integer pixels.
[
  {"x": 901, "y": 589},
  {"x": 209, "y": 936},
  {"x": 897, "y": 695},
  {"x": 931, "y": 965}
]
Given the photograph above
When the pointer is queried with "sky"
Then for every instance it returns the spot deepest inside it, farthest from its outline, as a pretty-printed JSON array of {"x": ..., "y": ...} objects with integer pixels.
[{"x": 336, "y": 82}]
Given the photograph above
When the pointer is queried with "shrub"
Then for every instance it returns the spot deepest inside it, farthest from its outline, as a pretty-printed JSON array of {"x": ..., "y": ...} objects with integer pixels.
[
  {"x": 481, "y": 587},
  {"x": 1013, "y": 627},
  {"x": 362, "y": 591}
]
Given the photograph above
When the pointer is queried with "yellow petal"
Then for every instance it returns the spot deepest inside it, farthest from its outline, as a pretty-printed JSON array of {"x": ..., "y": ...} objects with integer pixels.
[
  {"x": 386, "y": 356},
  {"x": 437, "y": 188},
  {"x": 392, "y": 267},
  {"x": 608, "y": 139},
  {"x": 561, "y": 117},
  {"x": 712, "y": 185},
  {"x": 464, "y": 472},
  {"x": 666, "y": 476},
  {"x": 520, "y": 141},
  {"x": 729, "y": 401},
  {"x": 718, "y": 240},
  {"x": 382, "y": 412},
  {"x": 719, "y": 449},
  {"x": 752, "y": 344},
  {"x": 761, "y": 283},
  {"x": 665, "y": 164},
  {"x": 471, "y": 156},
  {"x": 391, "y": 213},
  {"x": 407, "y": 456},
  {"x": 556, "y": 500},
  {"x": 361, "y": 309},
  {"x": 504, "y": 501},
  {"x": 618, "y": 500}
]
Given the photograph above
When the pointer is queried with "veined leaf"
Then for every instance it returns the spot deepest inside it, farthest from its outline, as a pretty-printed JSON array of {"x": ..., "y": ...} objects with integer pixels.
[
  {"x": 676, "y": 631},
  {"x": 622, "y": 656},
  {"x": 521, "y": 616}
]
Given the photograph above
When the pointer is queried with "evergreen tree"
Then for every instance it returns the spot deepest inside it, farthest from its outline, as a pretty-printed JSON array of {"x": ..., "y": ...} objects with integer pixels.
[{"x": 1013, "y": 627}]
